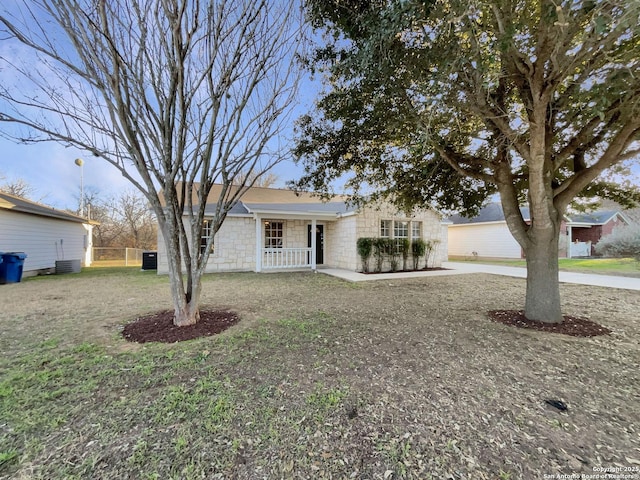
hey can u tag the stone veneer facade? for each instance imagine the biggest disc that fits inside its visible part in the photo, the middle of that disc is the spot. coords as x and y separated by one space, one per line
235 248
368 225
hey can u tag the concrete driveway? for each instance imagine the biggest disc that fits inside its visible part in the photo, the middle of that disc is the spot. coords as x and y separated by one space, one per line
458 268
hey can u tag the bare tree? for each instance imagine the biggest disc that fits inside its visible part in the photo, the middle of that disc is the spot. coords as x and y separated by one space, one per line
267 180
18 187
132 211
124 220
176 94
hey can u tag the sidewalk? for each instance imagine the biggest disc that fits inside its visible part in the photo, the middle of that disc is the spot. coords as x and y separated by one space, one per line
458 268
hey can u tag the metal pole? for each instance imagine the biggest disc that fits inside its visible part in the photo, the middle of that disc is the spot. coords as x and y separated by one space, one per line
80 163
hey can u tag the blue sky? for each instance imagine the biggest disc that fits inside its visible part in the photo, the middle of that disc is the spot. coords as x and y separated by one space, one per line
49 167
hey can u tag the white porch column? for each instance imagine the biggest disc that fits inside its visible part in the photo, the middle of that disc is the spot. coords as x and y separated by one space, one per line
313 244
258 243
569 242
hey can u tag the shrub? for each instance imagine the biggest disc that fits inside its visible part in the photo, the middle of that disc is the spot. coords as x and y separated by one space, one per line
394 254
622 242
430 249
418 249
405 248
379 252
365 249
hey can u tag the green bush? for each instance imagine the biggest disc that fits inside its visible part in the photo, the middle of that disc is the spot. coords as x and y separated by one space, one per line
365 249
622 242
418 249
405 248
379 251
394 254
430 249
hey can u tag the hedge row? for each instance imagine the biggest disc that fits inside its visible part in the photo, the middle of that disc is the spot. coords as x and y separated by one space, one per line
394 250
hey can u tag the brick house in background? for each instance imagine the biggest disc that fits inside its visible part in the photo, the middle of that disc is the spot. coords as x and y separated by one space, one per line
589 228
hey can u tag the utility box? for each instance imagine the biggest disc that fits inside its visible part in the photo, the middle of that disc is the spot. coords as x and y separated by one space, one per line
68 266
149 260
11 267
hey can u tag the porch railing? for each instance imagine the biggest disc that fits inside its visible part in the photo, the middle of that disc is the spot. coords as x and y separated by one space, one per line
273 258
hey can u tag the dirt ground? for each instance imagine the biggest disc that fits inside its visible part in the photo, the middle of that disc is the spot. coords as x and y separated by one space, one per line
429 386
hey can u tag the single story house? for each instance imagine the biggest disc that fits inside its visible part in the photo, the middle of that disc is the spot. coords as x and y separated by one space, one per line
275 229
488 236
43 233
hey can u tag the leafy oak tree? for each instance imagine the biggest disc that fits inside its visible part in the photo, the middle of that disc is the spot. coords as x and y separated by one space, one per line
445 103
176 94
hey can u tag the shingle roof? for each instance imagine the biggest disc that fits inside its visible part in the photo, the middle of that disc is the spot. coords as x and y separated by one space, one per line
237 209
22 205
265 195
493 213
261 199
597 218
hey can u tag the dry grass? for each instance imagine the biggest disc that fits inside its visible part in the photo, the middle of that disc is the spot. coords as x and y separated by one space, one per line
321 379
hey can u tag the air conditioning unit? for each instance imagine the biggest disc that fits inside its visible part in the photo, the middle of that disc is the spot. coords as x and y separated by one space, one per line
67 266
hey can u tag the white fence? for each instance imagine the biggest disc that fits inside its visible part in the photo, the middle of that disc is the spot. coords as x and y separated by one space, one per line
116 257
286 258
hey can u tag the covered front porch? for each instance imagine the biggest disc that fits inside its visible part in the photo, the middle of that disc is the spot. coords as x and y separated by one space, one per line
286 241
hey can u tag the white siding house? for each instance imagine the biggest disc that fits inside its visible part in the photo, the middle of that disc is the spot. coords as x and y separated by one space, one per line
492 239
271 229
43 233
487 234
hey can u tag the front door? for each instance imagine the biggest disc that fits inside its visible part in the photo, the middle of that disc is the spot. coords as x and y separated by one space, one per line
319 242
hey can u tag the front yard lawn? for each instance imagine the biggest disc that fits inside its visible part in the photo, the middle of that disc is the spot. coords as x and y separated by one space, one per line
627 267
319 379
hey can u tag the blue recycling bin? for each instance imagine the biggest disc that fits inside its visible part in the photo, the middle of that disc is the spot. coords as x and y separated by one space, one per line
11 267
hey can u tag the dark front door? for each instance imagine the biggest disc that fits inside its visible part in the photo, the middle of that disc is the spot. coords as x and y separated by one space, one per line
319 243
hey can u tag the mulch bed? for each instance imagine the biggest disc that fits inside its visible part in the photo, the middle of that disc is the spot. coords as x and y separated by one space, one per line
574 326
159 327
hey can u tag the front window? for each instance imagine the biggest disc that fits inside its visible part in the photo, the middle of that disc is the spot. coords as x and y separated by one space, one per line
400 232
205 235
385 228
273 234
416 230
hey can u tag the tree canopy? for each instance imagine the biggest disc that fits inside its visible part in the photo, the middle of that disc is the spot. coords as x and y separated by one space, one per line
445 103
433 103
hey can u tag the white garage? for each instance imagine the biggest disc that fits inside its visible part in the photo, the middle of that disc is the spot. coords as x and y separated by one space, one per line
486 235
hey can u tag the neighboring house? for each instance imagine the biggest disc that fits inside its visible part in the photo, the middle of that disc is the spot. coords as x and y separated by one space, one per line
632 214
588 229
43 233
274 229
488 236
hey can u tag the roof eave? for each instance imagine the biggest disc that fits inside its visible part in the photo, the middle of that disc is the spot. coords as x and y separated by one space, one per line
287 214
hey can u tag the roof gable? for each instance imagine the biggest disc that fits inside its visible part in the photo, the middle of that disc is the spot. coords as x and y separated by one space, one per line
595 218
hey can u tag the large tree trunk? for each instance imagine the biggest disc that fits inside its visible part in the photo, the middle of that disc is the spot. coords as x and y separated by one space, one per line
185 301
543 286
185 297
186 309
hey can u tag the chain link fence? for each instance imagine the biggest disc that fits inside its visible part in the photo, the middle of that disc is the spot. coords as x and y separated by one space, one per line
116 257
